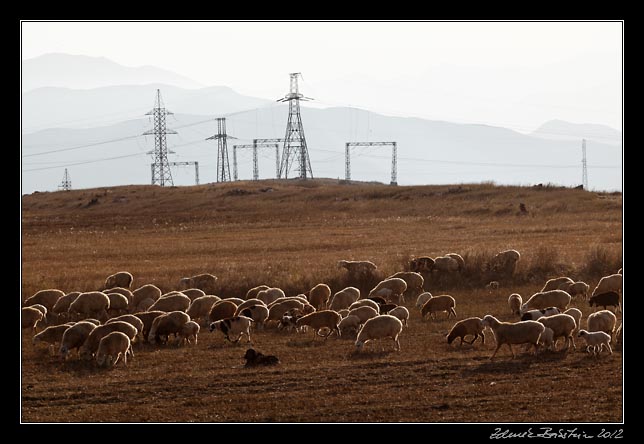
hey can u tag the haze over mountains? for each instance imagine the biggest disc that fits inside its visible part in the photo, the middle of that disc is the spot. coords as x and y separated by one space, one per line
62 109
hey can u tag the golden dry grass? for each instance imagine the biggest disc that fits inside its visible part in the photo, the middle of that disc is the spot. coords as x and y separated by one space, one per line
291 234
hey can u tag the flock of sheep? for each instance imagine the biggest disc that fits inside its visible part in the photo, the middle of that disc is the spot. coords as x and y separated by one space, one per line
103 325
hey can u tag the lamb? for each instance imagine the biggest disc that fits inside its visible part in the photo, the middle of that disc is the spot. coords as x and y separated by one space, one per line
88 349
445 264
270 294
505 262
437 304
200 307
422 298
222 310
562 325
391 289
380 327
235 326
52 335
349 326
147 291
344 298
470 326
612 282
358 269
364 313
62 305
421 264
596 341
188 330
319 295
247 304
552 298
90 304
608 299
252 293
254 358
575 313
514 302
458 258
547 339
318 320
130 319
47 298
193 293
121 279
30 316
556 283
413 280
576 288
401 313
74 337
172 302
258 313
165 325
118 303
522 332
205 281
276 311
112 347
533 315
148 317
603 320
364 303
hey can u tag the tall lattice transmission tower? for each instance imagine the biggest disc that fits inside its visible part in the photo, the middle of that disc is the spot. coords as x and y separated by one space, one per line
161 174
584 167
295 150
66 184
223 165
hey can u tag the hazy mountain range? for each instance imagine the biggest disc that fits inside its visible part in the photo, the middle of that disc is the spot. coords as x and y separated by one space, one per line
59 116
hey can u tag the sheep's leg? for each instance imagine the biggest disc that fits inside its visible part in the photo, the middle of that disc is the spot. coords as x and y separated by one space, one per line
497 349
118 356
483 336
396 343
610 350
512 350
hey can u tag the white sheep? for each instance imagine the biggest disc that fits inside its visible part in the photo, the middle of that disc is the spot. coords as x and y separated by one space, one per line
30 316
235 326
612 282
112 348
121 279
148 317
359 269
414 281
349 326
471 326
602 320
205 281
276 311
575 313
563 326
147 291
344 298
89 347
74 337
270 294
422 298
401 313
391 289
131 319
172 302
193 293
52 335
547 339
90 304
522 332
188 330
364 303
364 313
118 303
556 283
551 298
576 288
445 264
252 293
596 341
380 327
319 296
222 310
122 291
324 319
145 305
504 262
61 306
514 302
200 307
248 303
47 298
167 324
437 304
458 258
258 313
533 315
421 264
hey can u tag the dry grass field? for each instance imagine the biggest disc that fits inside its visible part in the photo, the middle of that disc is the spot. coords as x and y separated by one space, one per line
290 234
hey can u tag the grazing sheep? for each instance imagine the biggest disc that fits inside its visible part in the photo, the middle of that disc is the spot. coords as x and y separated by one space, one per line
344 312
247 304
252 293
130 319
112 347
42 309
148 317
421 264
563 326
364 303
514 302
458 258
302 298
222 310
270 294
120 290
492 285
556 283
505 262
205 281
172 302
533 315
254 358
401 313
522 332
118 304
289 320
391 289
422 298
576 288
90 304
596 341
603 320
386 308
618 334
145 305
89 347
608 299
547 339
575 313
167 324
349 326
358 269
612 282
193 293
413 280
319 295
445 264
378 300
52 335
74 337
470 326
318 320
121 279
380 327
437 304
30 316
47 298
236 301
62 305
276 311
147 291
364 313
200 308
189 330
235 326
258 313
344 298
551 298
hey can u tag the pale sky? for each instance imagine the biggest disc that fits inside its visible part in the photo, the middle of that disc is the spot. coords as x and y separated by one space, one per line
512 74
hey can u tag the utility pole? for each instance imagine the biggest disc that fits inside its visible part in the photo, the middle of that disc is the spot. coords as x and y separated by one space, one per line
223 165
195 163
258 143
394 158
161 174
66 184
584 168
295 150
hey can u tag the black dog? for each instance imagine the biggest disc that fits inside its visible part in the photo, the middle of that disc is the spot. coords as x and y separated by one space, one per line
256 358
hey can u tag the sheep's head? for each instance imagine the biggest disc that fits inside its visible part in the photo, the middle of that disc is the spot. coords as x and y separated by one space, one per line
214 326
85 354
450 337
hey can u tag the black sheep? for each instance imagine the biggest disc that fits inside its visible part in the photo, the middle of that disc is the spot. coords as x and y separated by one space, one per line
608 299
